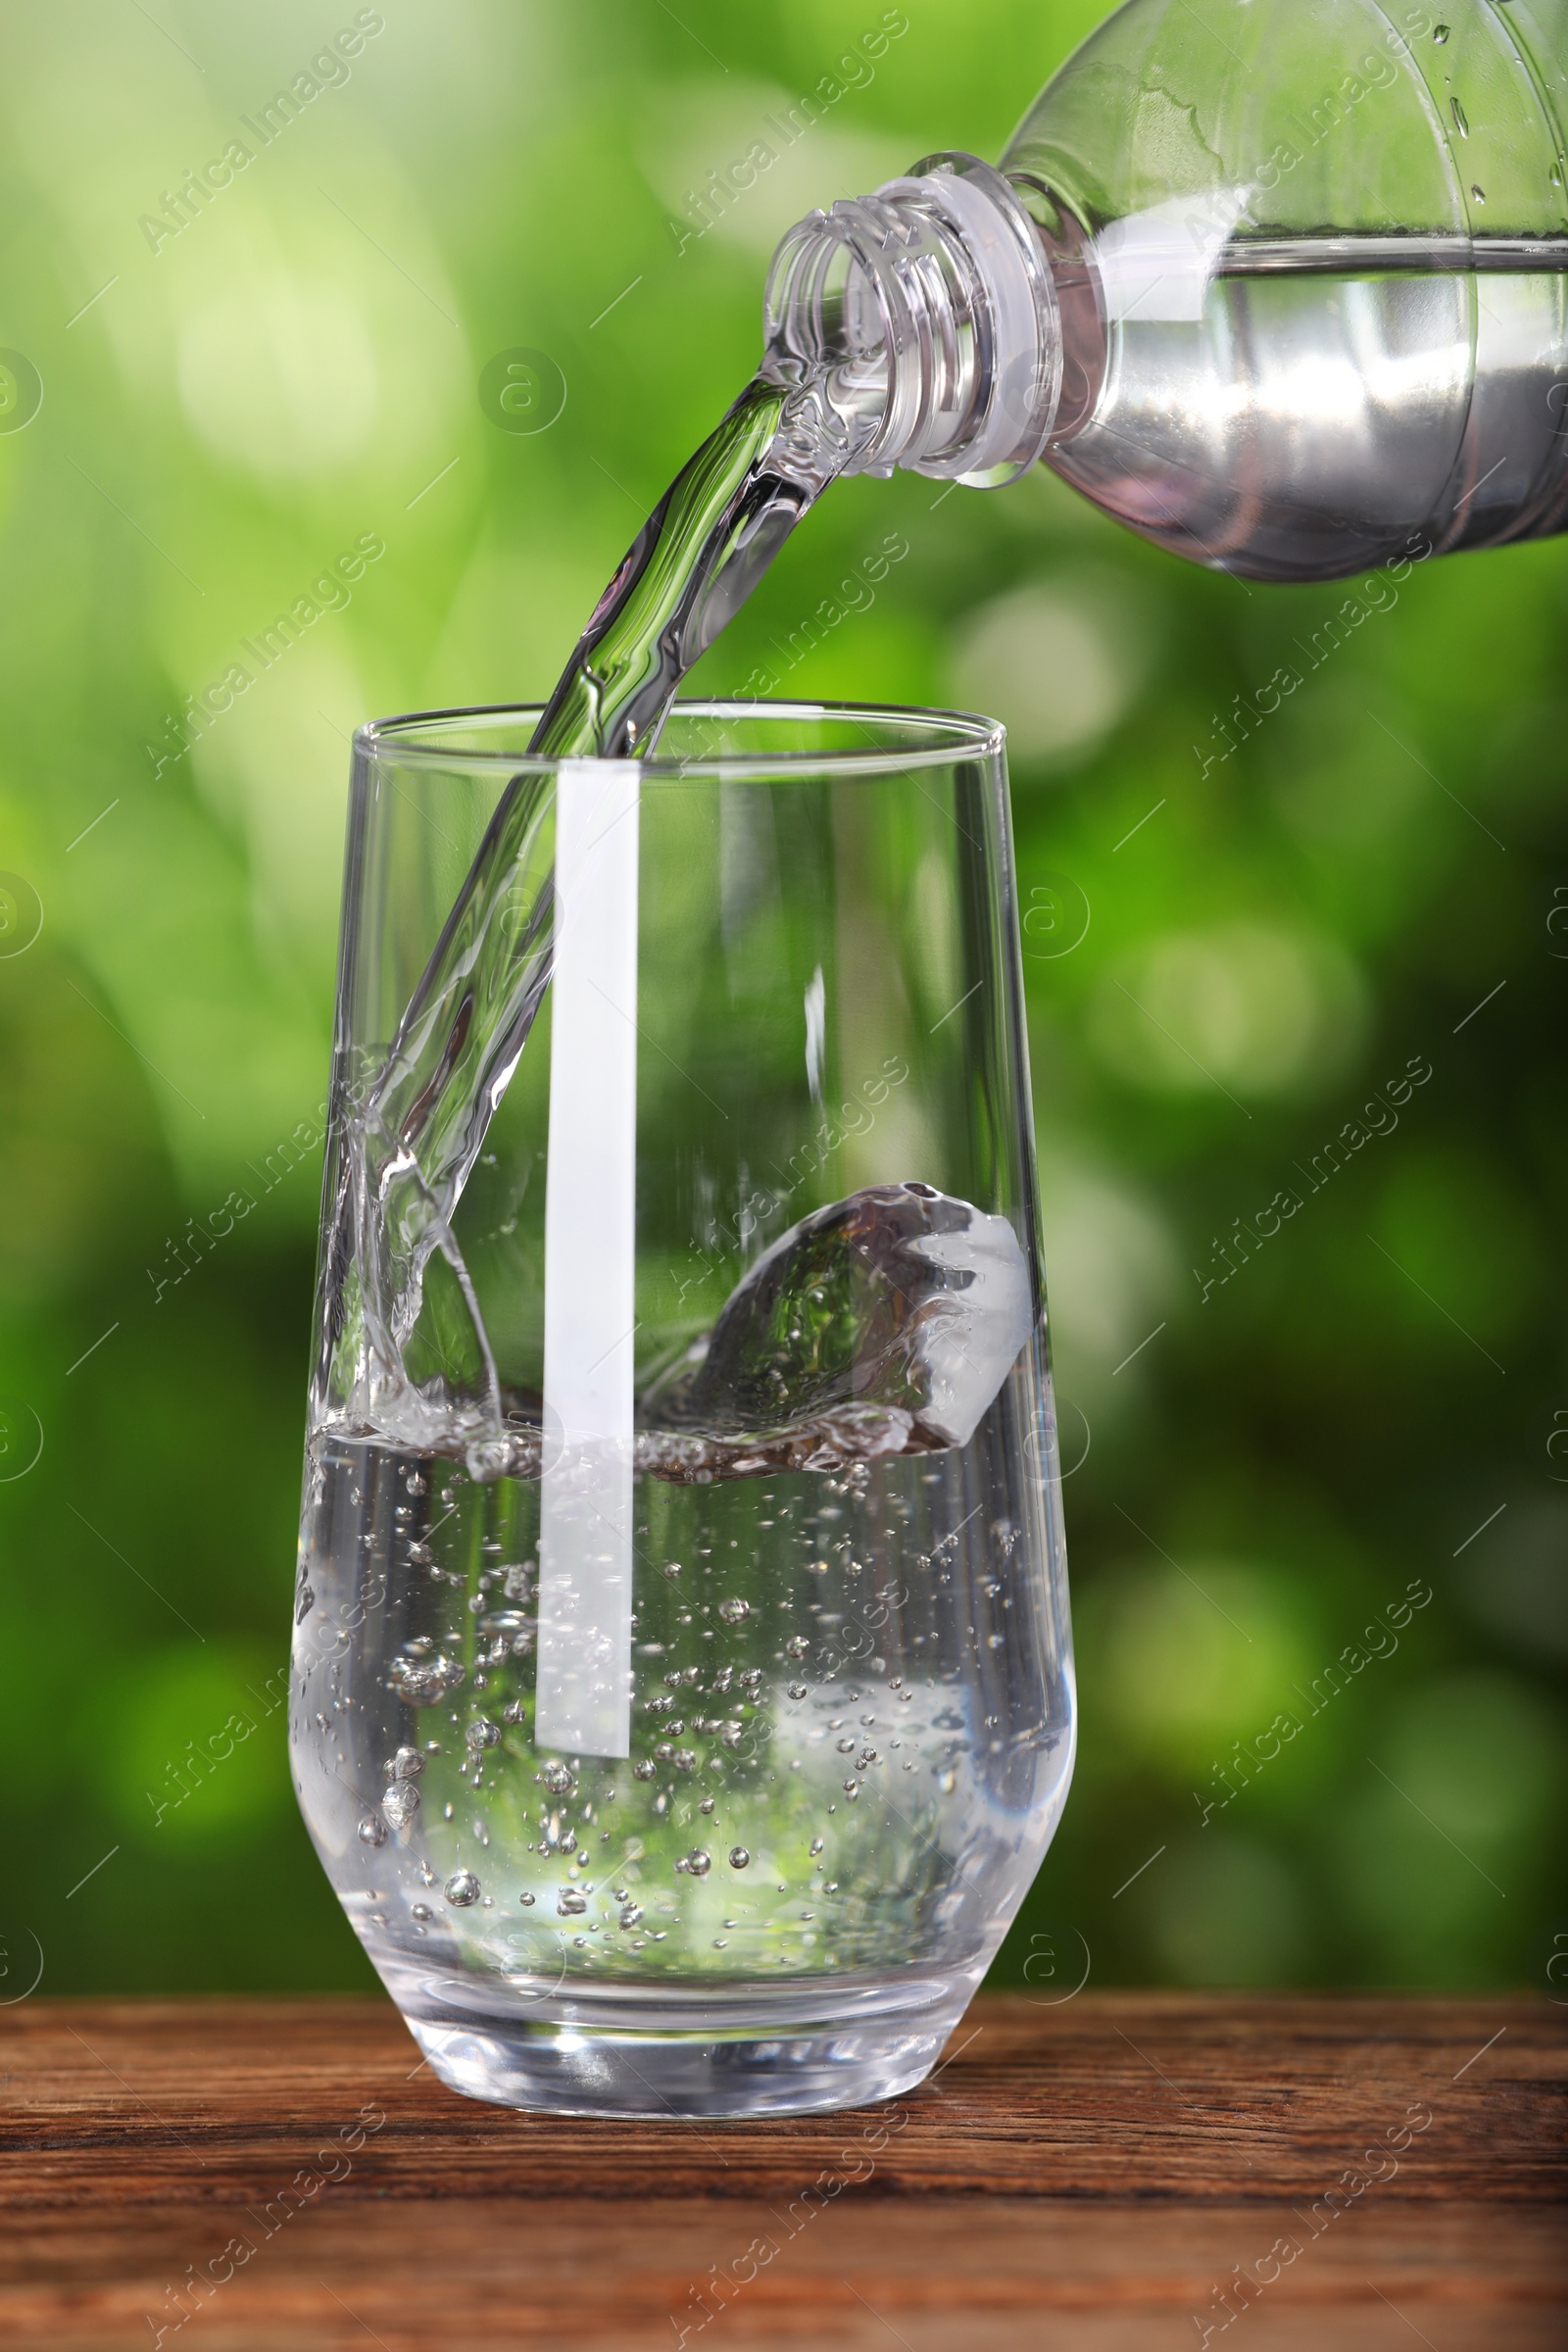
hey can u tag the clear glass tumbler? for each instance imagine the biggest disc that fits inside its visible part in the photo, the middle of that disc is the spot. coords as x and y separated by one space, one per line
682 1698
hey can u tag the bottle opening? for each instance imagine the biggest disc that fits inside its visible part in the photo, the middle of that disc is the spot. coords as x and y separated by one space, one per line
933 307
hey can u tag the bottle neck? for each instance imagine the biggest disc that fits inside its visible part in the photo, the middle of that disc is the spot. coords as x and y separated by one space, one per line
931 308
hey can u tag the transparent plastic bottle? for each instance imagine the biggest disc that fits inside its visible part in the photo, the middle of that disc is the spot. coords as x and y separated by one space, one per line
1283 287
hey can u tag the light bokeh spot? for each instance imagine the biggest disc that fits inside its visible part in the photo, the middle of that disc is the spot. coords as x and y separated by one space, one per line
1255 1007
279 376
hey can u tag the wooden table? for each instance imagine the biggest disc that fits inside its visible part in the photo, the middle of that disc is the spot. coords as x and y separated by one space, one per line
1112 2174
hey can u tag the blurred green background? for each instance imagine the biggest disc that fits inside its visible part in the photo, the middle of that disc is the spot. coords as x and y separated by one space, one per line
230 406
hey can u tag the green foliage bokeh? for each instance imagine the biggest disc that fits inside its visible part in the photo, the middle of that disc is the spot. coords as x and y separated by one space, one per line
297 370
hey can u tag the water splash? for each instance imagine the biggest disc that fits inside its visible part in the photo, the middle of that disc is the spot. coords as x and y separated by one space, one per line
412 1140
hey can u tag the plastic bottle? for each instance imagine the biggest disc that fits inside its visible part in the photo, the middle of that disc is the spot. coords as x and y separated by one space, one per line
1283 284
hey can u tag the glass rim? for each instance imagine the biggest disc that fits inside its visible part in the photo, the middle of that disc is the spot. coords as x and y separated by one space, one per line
968 734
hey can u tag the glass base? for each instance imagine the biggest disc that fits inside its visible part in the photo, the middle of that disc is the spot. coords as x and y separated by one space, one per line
577 2069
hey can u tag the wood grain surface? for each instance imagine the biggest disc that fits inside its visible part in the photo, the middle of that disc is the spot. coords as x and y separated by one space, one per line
1117 2173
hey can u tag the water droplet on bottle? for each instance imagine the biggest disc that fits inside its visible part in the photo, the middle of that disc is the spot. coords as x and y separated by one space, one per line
406 1765
697 1863
558 1779
461 1889
738 1857
401 1804
734 1612
372 1829
1480 195
304 1605
1460 121
1441 34
644 1769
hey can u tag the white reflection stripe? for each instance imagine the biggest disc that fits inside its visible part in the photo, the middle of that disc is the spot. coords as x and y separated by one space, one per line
585 1548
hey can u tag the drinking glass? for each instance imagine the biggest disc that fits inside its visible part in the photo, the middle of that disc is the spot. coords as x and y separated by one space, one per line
683 1691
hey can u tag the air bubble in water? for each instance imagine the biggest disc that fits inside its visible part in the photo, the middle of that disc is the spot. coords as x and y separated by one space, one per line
697 1863
406 1765
734 1612
631 1915
372 1829
738 1857
797 1646
422 1911
482 1733
421 1680
461 1889
526 1900
571 1903
1460 121
401 1805
817 1845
